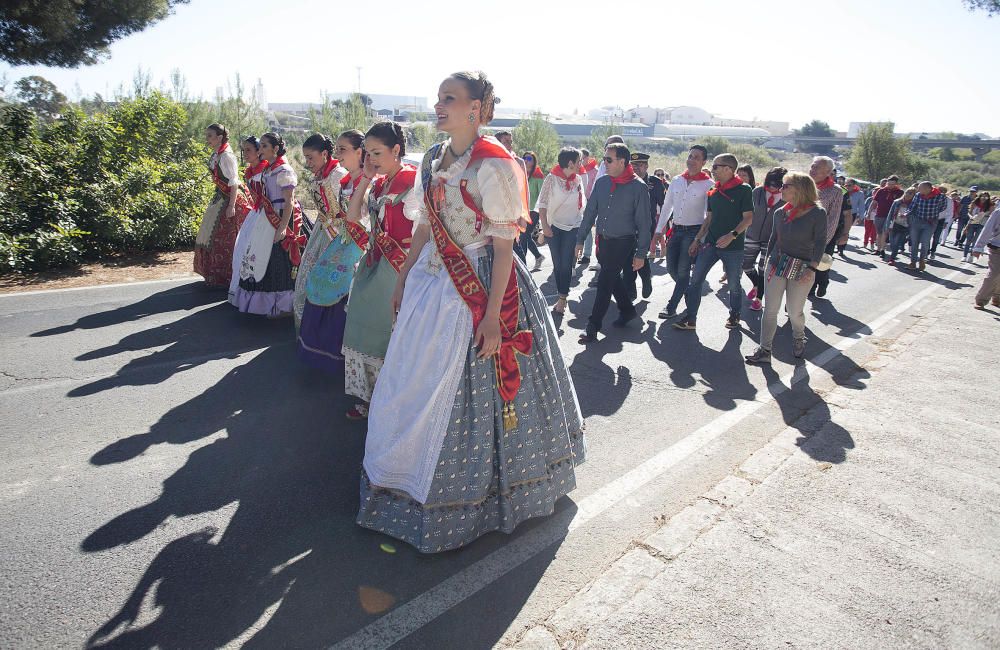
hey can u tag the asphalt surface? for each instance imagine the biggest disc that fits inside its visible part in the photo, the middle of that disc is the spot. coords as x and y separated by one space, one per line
171 475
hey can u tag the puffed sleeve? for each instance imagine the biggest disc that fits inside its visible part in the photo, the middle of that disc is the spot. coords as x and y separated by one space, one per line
227 165
413 205
287 178
503 197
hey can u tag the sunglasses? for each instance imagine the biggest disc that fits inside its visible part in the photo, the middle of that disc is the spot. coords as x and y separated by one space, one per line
609 159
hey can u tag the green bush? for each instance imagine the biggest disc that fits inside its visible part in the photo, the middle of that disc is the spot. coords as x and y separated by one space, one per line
127 180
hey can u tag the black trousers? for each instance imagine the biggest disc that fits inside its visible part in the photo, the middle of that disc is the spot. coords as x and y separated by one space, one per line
615 256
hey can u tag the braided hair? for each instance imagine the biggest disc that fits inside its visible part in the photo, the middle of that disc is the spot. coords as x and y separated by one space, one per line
276 141
218 129
319 142
390 134
481 88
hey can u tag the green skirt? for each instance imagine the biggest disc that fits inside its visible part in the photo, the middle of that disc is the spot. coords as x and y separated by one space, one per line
369 325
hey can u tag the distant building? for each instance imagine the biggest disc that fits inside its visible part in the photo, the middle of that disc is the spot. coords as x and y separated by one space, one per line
694 116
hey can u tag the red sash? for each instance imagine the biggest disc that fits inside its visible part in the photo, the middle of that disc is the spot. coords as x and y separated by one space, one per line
216 178
476 297
385 245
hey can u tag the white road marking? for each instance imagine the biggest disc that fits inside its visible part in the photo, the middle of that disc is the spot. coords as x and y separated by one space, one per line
422 609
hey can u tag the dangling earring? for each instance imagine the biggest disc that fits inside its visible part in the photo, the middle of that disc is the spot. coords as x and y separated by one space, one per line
472 118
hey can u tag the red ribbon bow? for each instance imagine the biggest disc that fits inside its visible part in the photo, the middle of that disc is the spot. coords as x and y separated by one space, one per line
293 243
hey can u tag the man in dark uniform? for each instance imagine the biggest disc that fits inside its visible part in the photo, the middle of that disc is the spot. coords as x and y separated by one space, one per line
657 194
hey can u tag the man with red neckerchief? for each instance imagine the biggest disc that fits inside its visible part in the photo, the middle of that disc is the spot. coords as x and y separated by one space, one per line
686 198
838 213
619 205
720 238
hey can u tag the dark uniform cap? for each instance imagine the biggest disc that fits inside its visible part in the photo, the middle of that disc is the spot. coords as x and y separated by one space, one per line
640 157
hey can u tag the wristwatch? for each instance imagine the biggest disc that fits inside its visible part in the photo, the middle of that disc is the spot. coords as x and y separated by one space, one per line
735 234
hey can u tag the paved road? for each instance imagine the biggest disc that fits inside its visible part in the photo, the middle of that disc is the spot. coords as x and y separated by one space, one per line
172 476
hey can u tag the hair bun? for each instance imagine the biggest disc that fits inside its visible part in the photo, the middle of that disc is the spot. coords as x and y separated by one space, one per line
496 100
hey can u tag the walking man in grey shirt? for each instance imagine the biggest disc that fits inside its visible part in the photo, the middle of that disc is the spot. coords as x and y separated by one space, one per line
620 206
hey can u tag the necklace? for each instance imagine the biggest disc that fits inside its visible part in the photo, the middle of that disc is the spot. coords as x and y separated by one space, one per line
459 155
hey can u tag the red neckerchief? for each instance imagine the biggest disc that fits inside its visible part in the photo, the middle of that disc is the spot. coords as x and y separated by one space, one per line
537 173
279 161
327 168
934 192
854 188
700 176
791 214
735 181
250 172
772 196
627 176
223 148
589 165
825 183
558 172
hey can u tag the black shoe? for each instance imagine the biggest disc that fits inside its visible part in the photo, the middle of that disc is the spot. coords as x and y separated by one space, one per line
668 312
647 288
761 356
733 322
584 261
684 324
820 291
625 319
588 337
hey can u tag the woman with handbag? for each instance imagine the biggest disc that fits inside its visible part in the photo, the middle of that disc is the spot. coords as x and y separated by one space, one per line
798 241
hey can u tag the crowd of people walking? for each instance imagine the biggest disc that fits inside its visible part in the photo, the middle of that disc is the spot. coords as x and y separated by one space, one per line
412 284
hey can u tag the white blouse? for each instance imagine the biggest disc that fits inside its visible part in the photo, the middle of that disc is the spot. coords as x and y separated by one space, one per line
227 166
492 183
564 208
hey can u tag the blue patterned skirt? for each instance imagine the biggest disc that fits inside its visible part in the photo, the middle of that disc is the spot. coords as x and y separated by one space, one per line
440 469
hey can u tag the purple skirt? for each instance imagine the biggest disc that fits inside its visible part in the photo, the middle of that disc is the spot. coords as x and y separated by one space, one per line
321 336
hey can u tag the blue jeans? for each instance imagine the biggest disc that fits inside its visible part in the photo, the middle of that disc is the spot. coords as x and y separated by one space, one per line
897 241
920 238
732 262
562 245
971 236
679 262
588 245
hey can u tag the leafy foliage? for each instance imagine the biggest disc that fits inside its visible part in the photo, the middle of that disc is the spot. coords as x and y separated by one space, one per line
125 180
991 7
69 33
817 129
40 95
878 153
536 134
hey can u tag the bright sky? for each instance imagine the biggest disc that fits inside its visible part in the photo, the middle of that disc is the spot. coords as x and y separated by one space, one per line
924 64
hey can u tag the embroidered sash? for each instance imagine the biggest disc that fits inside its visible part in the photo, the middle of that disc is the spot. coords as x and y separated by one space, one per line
476 297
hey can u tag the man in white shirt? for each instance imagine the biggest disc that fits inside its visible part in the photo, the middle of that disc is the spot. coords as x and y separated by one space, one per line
687 199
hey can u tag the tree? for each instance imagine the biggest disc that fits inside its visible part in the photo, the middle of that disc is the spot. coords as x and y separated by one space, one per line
40 95
239 113
536 134
716 145
817 129
877 153
70 33
600 135
991 7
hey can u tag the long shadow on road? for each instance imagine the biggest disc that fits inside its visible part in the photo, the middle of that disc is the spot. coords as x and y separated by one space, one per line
291 568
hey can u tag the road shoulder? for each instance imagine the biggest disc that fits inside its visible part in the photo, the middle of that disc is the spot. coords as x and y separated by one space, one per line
894 546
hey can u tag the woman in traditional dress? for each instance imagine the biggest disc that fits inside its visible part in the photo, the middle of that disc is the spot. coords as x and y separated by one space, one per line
213 250
272 247
474 424
369 312
253 177
334 248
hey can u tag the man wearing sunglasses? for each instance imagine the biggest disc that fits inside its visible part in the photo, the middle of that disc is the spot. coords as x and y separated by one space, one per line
619 205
